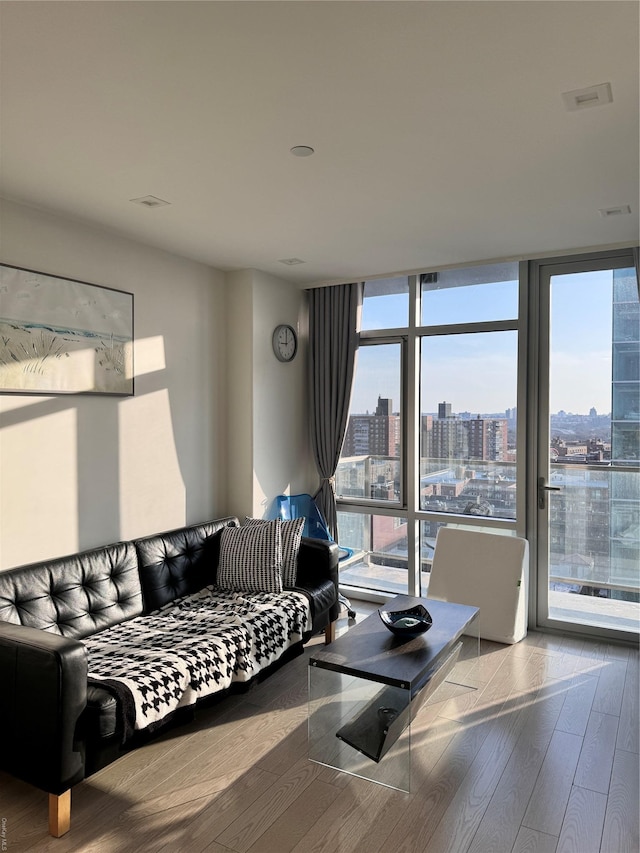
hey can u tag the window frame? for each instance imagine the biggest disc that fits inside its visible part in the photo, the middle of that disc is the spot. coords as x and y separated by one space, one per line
408 508
378 338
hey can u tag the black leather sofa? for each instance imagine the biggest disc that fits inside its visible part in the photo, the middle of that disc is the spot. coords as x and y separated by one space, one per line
56 727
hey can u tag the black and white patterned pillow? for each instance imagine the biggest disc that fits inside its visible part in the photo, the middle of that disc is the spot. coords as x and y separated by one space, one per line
251 558
291 538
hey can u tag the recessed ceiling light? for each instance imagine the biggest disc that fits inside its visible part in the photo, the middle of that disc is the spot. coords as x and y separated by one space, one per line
150 201
614 211
302 151
291 261
593 96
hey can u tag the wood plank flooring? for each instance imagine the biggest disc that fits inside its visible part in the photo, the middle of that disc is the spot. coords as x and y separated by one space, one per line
542 757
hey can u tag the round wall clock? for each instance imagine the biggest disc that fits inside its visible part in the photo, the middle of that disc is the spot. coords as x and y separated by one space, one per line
285 342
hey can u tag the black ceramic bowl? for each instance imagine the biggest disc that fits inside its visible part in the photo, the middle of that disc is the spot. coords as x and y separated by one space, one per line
407 623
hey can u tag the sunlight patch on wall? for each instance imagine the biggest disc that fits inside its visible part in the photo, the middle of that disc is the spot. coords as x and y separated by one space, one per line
148 355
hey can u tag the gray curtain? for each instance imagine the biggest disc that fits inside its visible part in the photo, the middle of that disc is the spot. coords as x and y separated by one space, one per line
334 318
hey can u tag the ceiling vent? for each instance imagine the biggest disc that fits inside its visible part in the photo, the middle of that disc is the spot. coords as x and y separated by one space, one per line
593 96
614 211
291 261
150 201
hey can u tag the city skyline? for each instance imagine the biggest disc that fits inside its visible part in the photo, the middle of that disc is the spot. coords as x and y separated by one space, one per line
488 414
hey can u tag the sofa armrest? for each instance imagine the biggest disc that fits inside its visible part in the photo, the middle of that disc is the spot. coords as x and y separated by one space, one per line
318 577
43 678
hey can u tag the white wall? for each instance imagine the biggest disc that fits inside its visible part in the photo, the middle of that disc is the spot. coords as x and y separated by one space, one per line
240 393
268 424
83 471
281 434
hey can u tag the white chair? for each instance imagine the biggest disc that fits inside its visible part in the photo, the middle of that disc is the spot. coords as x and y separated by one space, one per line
485 570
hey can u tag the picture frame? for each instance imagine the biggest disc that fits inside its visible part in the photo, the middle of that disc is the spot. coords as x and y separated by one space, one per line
63 336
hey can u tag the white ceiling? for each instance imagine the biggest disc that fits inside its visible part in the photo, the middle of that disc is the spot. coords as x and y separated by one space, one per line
440 132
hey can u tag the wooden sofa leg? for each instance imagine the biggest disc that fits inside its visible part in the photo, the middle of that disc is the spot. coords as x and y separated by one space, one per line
329 633
59 813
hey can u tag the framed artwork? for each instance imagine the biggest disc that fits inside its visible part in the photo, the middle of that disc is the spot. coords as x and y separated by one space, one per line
61 336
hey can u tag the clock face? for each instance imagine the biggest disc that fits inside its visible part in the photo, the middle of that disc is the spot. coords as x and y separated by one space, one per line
285 343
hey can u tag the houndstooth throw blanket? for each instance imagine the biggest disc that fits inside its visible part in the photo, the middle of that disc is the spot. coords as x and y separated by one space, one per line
193 647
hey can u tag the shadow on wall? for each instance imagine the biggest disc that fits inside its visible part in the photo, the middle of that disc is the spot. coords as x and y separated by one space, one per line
59 476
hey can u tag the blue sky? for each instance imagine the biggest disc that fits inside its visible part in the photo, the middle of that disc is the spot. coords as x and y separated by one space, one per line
477 373
581 318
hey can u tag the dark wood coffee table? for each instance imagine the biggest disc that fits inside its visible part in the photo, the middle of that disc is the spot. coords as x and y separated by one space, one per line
365 688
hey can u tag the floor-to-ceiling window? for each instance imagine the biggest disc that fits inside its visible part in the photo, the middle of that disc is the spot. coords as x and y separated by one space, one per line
433 431
586 406
461 401
371 476
468 403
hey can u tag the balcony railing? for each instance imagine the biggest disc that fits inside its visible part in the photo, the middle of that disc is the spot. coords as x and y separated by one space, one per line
594 529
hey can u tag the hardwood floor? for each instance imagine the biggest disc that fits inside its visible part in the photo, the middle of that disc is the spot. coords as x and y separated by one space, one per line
542 757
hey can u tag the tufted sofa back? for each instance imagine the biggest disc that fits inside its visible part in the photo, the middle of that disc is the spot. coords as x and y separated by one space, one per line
179 562
77 596
74 596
